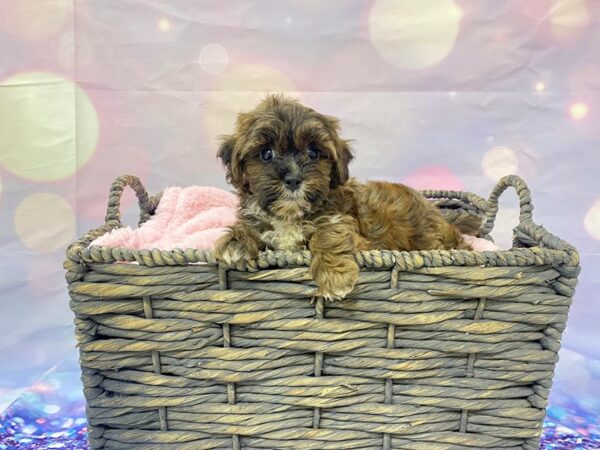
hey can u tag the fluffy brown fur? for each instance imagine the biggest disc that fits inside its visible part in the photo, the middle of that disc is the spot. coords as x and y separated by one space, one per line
289 166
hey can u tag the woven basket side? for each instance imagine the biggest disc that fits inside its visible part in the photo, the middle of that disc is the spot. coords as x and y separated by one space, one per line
462 357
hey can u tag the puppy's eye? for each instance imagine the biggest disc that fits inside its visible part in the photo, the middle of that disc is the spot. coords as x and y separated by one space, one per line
266 154
313 153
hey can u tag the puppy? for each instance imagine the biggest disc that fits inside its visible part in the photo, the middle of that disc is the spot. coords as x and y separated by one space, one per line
289 166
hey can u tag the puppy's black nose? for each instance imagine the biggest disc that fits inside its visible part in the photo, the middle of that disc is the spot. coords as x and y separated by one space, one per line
291 181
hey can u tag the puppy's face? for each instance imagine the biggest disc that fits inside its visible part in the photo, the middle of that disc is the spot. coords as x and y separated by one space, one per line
286 157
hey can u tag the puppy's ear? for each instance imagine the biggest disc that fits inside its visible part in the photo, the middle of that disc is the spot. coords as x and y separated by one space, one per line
230 160
339 169
342 157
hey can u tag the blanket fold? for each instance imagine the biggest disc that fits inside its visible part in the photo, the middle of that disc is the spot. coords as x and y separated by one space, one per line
190 217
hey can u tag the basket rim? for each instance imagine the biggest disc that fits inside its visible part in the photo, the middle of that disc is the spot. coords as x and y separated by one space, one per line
550 250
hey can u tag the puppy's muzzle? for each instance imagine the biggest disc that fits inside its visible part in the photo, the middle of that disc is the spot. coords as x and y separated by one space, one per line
292 181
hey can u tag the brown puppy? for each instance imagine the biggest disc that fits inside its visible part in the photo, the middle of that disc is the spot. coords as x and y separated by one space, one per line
290 168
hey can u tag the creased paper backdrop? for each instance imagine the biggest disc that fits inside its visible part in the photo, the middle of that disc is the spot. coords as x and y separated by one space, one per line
435 93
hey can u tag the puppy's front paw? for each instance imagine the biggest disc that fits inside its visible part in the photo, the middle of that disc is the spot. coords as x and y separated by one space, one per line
232 249
335 282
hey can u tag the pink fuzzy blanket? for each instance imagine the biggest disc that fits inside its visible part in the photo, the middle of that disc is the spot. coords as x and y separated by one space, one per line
195 217
191 217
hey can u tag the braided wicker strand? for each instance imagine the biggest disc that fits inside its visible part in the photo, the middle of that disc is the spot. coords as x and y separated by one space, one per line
432 349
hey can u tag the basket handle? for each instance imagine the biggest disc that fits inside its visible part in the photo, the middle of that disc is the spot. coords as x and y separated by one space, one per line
526 207
113 211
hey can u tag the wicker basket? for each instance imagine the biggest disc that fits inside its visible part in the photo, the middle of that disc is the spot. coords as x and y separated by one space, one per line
432 350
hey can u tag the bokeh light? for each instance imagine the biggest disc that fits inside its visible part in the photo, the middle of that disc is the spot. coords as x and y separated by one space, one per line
239 89
578 110
499 161
40 136
51 409
568 17
34 20
214 59
583 112
164 24
414 34
434 177
592 220
45 222
540 86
